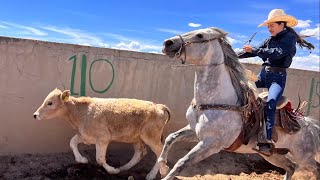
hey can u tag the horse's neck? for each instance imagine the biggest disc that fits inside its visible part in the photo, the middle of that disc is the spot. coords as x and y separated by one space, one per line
213 86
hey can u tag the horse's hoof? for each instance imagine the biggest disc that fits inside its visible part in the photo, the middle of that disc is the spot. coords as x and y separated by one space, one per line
160 159
164 169
130 178
151 176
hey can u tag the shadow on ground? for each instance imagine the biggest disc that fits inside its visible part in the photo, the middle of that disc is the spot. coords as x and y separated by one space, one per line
63 165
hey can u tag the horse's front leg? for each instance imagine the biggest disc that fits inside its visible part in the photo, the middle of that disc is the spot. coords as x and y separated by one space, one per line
184 134
201 151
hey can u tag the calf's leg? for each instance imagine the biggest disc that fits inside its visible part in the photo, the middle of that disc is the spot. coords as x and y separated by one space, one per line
101 149
139 152
153 140
74 146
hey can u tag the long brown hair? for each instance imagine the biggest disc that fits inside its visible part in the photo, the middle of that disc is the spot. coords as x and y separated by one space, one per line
302 43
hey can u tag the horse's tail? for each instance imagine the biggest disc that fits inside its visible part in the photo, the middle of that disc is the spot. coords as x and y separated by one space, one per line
314 127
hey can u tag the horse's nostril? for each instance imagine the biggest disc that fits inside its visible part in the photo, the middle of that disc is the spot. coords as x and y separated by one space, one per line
35 116
168 43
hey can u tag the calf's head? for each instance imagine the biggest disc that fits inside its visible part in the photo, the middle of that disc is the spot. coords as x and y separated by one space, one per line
53 105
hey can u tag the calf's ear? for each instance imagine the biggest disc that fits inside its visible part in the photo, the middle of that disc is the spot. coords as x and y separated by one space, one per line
65 95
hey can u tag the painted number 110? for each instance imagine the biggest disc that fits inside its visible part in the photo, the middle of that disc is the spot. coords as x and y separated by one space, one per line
83 75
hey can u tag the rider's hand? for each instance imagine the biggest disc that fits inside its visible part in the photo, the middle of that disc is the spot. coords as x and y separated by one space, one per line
247 48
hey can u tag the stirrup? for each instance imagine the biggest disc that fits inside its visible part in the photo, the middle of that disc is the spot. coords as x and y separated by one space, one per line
267 152
272 150
263 152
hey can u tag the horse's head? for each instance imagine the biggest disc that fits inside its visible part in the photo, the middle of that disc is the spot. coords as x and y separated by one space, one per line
195 47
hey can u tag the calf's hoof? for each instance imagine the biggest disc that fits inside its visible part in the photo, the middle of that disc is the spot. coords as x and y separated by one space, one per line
113 171
82 160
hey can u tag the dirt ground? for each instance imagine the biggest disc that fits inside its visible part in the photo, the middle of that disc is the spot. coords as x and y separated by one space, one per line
222 166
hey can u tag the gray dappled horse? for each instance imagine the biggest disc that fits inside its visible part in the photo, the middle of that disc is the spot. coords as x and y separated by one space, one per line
218 79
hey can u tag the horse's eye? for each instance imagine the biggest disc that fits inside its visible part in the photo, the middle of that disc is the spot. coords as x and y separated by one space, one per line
200 36
49 103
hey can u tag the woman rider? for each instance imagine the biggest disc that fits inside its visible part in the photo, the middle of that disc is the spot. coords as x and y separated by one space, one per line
277 52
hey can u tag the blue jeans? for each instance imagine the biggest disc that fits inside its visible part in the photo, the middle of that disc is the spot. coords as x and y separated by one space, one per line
275 82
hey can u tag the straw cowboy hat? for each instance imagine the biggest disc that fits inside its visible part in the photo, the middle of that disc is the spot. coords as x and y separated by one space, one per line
279 15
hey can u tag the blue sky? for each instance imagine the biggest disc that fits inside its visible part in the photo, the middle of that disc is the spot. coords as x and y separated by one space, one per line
143 25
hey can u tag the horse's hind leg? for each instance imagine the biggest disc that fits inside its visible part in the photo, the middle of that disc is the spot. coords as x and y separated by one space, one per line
201 151
184 134
317 170
311 165
283 162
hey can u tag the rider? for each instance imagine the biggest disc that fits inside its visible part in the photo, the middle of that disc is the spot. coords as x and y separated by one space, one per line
277 52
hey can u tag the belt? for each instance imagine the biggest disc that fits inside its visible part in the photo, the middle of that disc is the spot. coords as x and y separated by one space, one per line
275 69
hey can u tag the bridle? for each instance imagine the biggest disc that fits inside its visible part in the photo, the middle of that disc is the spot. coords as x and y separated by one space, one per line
184 44
202 107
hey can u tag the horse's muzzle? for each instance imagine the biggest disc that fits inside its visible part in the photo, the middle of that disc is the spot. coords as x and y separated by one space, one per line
169 48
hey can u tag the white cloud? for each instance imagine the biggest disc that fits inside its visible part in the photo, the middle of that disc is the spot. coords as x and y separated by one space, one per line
311 32
194 25
117 37
242 36
26 29
252 60
310 62
303 24
232 41
77 36
151 47
136 46
237 50
4 27
172 31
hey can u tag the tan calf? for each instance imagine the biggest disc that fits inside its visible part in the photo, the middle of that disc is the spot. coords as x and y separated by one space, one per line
102 120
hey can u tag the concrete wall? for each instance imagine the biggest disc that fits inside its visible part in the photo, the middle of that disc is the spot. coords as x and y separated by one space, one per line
30 69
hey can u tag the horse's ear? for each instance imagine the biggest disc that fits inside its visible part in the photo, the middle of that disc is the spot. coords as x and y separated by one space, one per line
220 31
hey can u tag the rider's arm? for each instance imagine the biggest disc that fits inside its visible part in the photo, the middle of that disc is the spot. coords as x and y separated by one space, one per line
243 54
283 48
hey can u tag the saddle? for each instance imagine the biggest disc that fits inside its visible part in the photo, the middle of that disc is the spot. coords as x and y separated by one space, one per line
254 120
281 103
286 118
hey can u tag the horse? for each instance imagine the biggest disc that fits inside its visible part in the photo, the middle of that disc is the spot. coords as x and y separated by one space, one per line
220 83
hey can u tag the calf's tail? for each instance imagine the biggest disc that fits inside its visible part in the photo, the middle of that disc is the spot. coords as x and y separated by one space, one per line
165 109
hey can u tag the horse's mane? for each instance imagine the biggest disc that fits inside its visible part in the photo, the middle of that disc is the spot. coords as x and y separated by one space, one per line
236 70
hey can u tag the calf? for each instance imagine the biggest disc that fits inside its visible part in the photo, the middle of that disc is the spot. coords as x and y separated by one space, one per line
102 120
